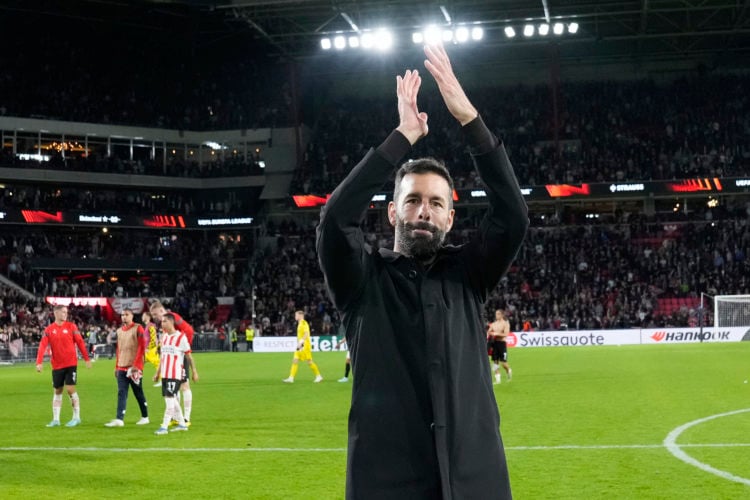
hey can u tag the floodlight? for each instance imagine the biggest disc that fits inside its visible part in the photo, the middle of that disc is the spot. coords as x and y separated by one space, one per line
383 40
528 30
354 42
368 40
510 32
462 34
417 37
447 35
339 42
325 43
477 33
543 29
558 28
432 35
573 28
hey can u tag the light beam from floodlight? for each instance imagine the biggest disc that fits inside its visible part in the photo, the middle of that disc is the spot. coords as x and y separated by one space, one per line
447 35
543 29
431 35
573 28
462 34
339 42
354 42
417 37
383 40
528 30
477 33
325 43
558 28
368 40
510 32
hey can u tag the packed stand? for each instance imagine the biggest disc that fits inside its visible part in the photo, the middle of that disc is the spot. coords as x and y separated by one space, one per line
112 75
209 265
608 131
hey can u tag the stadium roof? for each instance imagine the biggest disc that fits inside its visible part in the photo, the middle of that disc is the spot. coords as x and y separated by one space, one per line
609 30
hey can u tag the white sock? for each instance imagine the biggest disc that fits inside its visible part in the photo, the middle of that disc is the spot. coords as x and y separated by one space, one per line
187 402
56 405
76 403
171 403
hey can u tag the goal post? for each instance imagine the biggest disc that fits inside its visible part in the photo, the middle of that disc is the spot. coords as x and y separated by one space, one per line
731 310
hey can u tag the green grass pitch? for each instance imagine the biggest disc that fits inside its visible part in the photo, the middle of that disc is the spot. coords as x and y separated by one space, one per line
577 423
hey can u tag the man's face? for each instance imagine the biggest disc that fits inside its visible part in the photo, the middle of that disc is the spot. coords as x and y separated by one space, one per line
422 215
167 325
61 314
127 317
145 317
299 317
157 314
499 315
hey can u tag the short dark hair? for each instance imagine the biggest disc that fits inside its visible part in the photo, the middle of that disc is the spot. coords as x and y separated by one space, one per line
426 165
170 317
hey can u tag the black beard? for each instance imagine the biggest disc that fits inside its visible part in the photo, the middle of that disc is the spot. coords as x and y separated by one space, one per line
420 247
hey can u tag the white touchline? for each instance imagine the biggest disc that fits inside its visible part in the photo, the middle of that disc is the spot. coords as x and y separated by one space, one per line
675 449
341 450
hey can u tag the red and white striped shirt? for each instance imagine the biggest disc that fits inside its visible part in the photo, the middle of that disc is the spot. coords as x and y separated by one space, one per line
174 346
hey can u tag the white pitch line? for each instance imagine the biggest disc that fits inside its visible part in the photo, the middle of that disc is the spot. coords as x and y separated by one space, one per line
675 449
341 450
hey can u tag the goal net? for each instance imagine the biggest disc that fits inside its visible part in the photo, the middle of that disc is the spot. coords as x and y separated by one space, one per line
731 310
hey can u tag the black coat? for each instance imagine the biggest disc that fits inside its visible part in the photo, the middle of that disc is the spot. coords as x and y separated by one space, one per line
424 422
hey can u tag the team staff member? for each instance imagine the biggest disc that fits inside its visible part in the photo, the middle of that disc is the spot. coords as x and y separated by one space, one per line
62 337
175 353
498 333
131 347
304 349
424 422
158 311
151 333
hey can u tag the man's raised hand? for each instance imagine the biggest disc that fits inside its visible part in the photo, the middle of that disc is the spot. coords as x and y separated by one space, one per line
412 123
439 65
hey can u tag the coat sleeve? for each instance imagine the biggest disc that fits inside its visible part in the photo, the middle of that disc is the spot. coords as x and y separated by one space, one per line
503 227
342 251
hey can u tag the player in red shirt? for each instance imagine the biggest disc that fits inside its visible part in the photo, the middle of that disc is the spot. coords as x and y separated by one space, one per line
62 337
175 354
158 311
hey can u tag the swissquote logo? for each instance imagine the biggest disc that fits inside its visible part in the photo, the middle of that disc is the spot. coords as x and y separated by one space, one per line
511 340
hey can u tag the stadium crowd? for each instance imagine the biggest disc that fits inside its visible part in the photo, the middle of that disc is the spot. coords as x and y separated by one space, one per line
565 277
608 131
84 82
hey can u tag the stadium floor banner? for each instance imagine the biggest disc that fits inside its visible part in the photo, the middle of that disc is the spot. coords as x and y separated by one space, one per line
574 338
626 337
562 338
685 335
289 344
